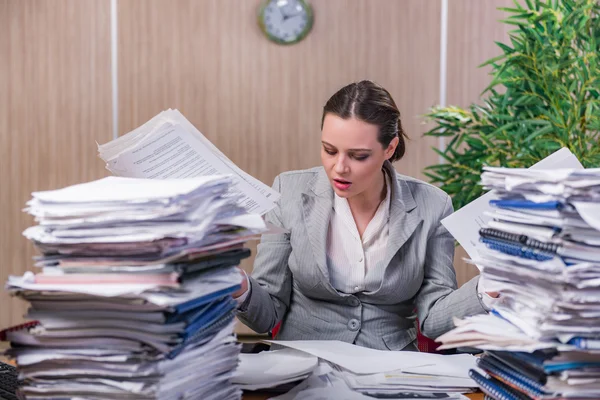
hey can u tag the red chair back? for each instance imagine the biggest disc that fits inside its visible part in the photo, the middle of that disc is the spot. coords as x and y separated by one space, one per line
425 344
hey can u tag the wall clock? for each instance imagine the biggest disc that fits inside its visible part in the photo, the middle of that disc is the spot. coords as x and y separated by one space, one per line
285 21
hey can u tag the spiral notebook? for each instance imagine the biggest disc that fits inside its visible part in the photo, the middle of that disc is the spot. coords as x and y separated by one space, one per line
496 389
524 246
522 240
510 377
530 370
517 250
489 359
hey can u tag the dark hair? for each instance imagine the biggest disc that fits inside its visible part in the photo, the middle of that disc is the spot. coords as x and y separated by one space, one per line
371 103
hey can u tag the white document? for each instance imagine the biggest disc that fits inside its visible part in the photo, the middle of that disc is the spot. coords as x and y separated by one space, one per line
323 384
362 360
391 381
272 368
168 146
123 190
489 332
326 384
465 223
590 212
211 282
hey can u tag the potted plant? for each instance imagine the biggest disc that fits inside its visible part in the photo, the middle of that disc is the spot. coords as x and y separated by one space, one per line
544 95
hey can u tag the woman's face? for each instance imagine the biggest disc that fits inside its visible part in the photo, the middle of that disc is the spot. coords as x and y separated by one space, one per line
352 155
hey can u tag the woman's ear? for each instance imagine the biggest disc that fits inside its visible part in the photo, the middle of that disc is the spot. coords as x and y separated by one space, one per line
389 152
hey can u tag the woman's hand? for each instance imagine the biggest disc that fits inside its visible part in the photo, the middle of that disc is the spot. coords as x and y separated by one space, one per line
244 287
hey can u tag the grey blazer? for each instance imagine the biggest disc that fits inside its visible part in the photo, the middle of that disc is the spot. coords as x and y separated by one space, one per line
290 281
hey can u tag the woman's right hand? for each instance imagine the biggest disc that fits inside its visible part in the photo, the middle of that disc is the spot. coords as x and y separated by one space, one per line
244 287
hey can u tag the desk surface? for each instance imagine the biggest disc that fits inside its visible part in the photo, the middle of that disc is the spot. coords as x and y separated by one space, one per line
260 396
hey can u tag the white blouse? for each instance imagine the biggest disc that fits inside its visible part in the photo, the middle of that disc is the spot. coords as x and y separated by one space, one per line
350 259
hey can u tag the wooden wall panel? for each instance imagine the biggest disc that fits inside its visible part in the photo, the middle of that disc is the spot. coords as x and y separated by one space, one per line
54 104
473 28
261 103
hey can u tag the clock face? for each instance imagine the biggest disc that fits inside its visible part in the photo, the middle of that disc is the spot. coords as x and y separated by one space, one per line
286 21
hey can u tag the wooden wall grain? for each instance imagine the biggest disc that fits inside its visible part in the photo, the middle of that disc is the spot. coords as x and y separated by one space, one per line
473 28
54 104
259 102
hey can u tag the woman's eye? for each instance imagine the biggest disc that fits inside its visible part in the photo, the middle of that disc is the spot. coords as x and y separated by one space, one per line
330 152
360 158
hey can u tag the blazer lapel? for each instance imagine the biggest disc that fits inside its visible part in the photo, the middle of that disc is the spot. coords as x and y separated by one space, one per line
317 208
404 219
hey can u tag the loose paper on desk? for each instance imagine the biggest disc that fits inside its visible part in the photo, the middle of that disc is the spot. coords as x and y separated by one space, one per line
169 146
362 360
465 223
273 368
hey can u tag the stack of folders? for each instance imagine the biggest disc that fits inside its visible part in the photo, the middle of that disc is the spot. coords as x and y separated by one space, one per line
133 297
541 252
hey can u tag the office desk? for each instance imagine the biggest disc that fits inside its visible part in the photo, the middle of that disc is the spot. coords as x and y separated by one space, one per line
259 396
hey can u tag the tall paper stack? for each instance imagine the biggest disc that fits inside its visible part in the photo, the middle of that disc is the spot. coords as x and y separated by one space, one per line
541 250
134 293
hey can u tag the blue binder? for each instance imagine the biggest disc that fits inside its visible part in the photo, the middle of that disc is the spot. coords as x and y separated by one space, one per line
509 360
190 305
510 377
494 388
527 204
585 343
516 249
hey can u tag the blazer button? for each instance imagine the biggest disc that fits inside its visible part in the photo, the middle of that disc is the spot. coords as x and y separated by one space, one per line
354 301
353 325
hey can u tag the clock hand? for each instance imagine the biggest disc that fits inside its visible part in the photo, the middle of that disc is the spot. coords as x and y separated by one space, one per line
285 15
281 13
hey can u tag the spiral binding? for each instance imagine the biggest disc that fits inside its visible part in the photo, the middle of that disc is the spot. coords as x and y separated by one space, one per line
491 387
517 250
511 378
520 239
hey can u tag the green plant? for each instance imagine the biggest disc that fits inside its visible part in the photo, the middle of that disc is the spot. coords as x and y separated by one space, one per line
544 95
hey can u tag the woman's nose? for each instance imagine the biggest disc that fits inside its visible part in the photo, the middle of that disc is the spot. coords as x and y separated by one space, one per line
340 165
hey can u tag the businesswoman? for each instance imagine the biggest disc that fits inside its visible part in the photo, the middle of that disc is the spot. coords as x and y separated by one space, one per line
365 248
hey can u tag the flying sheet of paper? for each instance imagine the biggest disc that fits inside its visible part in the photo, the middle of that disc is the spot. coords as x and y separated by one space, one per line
169 146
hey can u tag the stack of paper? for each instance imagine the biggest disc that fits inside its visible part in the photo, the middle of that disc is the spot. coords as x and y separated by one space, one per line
540 248
169 146
134 294
465 223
